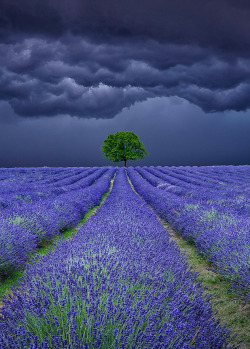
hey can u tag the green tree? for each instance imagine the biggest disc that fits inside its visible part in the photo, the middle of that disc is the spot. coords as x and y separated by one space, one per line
123 146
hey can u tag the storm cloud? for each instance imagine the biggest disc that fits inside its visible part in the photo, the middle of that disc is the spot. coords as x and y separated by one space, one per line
94 58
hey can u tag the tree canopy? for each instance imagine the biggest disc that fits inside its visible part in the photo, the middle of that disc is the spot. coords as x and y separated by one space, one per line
123 146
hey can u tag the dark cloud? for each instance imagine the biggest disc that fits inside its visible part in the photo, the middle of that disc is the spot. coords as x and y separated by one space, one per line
94 58
223 23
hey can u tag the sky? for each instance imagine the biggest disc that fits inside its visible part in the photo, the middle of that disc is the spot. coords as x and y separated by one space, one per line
177 73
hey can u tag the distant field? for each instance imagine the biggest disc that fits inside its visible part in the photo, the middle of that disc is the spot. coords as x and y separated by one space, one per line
119 282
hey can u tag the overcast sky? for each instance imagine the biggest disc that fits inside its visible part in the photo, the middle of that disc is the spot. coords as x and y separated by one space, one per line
177 73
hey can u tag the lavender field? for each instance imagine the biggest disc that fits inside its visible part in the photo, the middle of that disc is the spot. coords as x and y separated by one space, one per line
120 282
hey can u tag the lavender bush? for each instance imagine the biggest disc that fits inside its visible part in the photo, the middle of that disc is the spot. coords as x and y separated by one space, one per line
14 251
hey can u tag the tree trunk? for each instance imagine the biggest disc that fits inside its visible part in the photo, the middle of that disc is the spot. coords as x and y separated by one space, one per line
125 162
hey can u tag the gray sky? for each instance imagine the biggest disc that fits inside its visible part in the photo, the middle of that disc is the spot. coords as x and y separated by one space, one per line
174 132
176 73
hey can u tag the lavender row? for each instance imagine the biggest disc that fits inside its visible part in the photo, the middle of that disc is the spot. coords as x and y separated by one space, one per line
21 231
233 200
199 182
222 237
120 283
23 175
213 173
16 196
226 179
33 181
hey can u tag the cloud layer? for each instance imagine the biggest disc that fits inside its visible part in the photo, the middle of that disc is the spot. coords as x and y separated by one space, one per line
94 58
